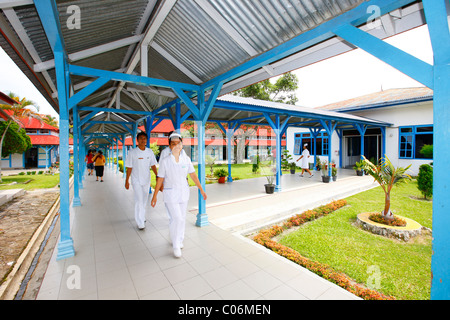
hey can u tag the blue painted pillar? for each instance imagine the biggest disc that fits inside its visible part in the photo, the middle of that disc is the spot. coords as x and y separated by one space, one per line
81 155
383 142
438 26
124 155
76 159
340 133
277 130
202 217
117 155
229 136
65 244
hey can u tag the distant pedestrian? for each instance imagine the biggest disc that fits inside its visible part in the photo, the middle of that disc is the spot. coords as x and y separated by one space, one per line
99 163
90 162
305 163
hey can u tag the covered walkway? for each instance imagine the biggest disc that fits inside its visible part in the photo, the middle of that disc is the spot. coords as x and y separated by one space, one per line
115 260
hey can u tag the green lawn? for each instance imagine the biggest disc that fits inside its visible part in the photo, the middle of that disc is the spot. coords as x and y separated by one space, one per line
38 181
404 268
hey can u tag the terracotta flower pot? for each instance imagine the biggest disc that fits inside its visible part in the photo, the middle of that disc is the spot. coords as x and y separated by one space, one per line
222 179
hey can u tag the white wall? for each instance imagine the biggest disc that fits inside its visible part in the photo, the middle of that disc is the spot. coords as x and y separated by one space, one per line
405 115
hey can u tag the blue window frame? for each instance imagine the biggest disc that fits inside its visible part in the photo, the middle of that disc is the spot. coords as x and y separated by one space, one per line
412 139
302 138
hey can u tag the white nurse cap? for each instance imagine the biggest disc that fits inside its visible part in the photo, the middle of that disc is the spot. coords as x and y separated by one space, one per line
175 135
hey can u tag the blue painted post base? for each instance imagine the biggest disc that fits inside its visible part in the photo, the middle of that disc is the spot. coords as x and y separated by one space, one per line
65 249
202 220
230 179
277 188
76 202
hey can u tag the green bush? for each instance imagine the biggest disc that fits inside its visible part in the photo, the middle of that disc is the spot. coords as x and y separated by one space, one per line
21 173
220 173
425 180
427 151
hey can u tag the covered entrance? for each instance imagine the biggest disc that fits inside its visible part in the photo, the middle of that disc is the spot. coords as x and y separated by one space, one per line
372 149
31 157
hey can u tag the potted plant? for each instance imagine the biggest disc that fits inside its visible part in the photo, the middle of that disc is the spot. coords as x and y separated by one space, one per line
359 166
221 174
387 176
334 173
318 163
325 176
292 167
270 176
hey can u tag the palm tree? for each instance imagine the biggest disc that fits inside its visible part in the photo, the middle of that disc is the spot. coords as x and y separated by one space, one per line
18 112
387 176
50 120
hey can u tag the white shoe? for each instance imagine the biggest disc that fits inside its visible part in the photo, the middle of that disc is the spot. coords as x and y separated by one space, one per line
177 252
311 176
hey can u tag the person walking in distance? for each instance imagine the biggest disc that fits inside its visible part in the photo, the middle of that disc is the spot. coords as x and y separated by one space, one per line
305 163
173 171
90 162
99 163
138 163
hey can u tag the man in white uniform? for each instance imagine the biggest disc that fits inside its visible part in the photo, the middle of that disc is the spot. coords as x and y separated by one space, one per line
173 170
138 164
305 162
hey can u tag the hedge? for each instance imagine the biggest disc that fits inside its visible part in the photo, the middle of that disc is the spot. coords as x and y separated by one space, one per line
264 238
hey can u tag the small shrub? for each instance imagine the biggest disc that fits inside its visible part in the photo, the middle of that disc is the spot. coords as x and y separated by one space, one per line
396 222
425 180
21 173
40 172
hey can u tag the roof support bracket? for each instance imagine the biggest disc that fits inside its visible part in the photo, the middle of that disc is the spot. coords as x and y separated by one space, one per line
402 61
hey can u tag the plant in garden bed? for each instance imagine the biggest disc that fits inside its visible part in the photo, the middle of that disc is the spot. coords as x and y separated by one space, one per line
396 222
387 176
264 237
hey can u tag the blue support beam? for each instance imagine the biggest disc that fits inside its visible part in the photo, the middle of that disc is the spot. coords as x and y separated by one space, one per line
86 91
438 26
324 31
65 245
329 127
402 61
76 202
48 14
277 128
139 80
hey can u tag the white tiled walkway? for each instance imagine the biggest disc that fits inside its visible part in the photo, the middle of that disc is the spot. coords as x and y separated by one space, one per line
115 260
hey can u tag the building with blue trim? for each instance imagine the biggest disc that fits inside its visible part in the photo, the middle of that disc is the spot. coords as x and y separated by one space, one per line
410 112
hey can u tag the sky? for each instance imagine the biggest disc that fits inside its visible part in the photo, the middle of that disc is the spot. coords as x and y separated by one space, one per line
346 76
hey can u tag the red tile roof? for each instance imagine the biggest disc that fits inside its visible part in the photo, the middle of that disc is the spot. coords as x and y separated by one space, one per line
32 123
43 139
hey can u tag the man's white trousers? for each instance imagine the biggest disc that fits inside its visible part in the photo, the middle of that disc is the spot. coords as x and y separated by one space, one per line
141 194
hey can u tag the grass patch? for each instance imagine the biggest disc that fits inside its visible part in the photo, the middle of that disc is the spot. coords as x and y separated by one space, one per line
37 182
403 268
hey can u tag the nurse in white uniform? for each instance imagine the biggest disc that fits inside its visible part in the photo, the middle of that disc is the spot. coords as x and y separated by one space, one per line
172 174
305 162
138 164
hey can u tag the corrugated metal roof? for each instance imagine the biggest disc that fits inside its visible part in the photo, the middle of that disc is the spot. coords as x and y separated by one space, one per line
196 41
382 98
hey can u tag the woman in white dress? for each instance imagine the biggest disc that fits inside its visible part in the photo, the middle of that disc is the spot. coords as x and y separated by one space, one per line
305 163
172 175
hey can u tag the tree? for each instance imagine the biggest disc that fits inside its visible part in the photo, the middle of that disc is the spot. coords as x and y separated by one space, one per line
19 112
16 139
425 180
387 176
48 119
283 90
